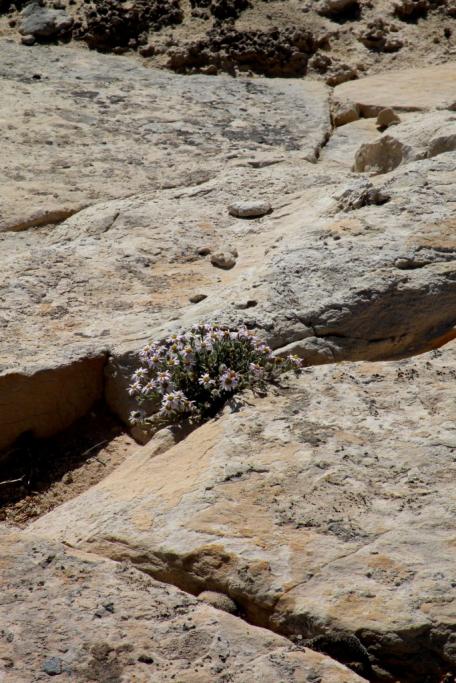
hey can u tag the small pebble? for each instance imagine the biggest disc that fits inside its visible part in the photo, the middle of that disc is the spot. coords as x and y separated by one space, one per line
28 39
53 666
250 209
203 251
223 259
196 298
145 659
386 118
250 303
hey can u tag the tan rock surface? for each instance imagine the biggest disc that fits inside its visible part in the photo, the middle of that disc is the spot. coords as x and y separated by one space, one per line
71 290
373 282
81 128
422 88
329 283
326 508
419 137
87 619
324 511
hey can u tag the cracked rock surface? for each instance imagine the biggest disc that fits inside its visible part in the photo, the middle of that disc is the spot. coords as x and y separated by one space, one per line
327 508
324 511
376 281
110 622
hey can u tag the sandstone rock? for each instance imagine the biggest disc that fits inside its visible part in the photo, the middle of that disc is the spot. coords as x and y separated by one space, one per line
42 22
325 509
361 193
419 137
336 8
28 39
411 10
68 615
81 104
344 112
196 298
386 118
340 73
408 90
223 259
377 36
328 288
381 156
63 283
47 400
346 140
250 209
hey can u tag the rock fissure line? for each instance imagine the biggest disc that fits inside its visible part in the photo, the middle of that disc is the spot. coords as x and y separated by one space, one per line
50 217
347 648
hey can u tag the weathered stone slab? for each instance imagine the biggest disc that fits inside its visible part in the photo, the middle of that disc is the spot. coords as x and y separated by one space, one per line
374 282
421 136
78 617
422 88
82 127
326 508
330 284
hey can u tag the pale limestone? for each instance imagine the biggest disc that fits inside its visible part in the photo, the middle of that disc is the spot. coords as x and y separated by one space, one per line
97 620
422 88
327 507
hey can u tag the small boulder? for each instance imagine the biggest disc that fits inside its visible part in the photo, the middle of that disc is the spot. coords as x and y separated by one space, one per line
340 73
386 118
335 8
359 193
343 112
196 298
250 209
41 22
223 259
28 39
52 666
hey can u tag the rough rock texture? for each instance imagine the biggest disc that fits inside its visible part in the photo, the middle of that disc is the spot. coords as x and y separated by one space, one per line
408 90
326 509
419 137
249 209
47 401
272 53
42 22
63 281
375 282
77 617
352 37
386 118
59 103
110 25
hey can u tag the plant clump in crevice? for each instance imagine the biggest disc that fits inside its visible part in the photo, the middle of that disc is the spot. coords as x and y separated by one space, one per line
191 376
274 53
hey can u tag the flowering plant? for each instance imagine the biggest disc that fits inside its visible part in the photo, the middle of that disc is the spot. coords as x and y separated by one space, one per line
191 375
